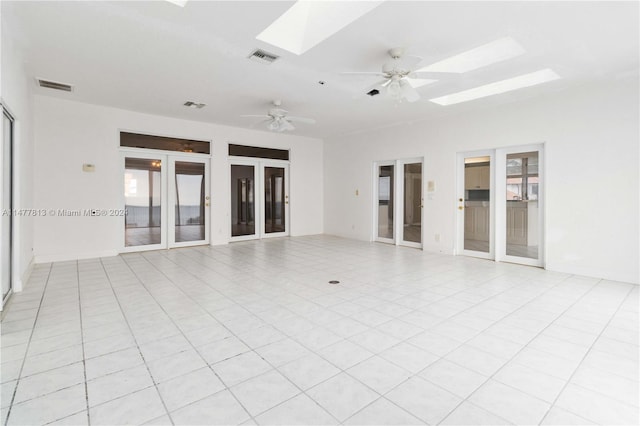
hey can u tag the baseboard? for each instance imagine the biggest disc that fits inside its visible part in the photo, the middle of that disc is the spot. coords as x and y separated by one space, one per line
26 274
46 258
593 273
436 248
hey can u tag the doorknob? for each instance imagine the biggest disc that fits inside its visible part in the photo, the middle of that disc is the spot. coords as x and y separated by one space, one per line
460 207
207 197
206 204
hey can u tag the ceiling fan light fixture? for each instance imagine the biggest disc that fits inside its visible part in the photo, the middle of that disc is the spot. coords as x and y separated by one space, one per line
274 125
394 89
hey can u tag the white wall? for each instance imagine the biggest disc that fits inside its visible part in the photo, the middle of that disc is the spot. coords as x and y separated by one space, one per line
16 95
591 149
68 134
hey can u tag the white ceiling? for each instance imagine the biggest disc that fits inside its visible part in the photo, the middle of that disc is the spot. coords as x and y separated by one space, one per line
154 56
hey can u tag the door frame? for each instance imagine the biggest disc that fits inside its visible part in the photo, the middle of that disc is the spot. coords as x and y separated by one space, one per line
259 166
14 219
243 161
171 214
376 201
501 200
167 198
398 202
460 202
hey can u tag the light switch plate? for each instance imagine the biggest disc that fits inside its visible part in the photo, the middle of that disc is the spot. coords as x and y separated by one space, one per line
89 168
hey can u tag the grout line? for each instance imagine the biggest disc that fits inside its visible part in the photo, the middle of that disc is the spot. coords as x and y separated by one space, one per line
490 377
137 345
141 283
84 358
232 333
24 358
584 357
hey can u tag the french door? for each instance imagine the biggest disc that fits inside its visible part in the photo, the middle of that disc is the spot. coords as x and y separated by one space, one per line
500 204
259 199
166 200
398 209
6 229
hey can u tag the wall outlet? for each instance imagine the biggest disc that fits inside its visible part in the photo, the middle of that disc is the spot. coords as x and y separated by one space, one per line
357 192
437 238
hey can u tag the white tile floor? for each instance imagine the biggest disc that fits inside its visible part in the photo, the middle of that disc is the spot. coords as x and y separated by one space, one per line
253 333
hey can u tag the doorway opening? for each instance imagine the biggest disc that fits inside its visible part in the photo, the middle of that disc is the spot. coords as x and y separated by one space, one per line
259 198
500 204
398 218
166 200
6 227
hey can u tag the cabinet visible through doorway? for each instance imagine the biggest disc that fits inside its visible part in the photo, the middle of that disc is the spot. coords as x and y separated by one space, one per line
477 177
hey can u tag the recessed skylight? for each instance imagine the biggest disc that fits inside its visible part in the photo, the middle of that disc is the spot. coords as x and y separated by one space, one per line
180 3
307 23
503 86
487 54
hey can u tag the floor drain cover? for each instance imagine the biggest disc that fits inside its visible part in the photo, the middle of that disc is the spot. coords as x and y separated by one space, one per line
334 282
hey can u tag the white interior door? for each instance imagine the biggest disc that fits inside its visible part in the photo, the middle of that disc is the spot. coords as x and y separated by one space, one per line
166 198
145 200
384 183
189 201
410 203
398 202
500 204
475 204
520 204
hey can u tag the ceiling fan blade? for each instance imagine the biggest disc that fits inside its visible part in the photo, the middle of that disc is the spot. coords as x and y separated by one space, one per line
419 82
408 92
432 75
411 62
293 118
286 125
254 116
258 123
368 74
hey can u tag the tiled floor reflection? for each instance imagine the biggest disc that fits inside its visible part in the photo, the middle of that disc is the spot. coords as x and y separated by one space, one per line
253 333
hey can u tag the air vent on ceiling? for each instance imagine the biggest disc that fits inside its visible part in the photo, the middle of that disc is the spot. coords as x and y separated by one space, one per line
54 85
260 55
197 105
373 92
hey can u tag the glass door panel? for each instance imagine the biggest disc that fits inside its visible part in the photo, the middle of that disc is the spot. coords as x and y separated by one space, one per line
474 205
190 201
243 207
385 187
275 200
522 186
143 201
7 205
412 206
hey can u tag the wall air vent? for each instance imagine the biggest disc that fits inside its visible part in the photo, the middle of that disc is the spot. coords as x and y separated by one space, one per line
54 85
260 55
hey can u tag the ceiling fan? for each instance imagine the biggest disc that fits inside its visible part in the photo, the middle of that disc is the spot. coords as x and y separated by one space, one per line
279 120
401 76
